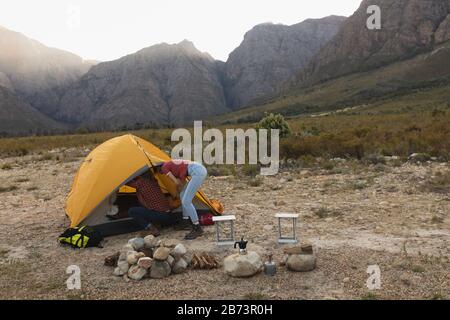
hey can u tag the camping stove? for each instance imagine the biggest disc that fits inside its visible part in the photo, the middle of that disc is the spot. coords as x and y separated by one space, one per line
270 268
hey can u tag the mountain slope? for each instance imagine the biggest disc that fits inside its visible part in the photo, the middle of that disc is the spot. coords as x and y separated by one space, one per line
420 82
18 117
32 69
409 27
272 53
160 85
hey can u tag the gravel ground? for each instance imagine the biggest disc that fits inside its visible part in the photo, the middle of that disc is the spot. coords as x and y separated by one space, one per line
354 215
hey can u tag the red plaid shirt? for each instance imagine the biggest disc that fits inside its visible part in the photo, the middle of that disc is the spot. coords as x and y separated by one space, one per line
150 195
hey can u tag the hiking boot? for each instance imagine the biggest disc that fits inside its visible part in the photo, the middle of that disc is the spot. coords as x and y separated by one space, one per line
150 230
196 231
184 224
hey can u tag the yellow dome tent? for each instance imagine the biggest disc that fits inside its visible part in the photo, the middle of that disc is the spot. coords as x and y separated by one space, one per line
103 175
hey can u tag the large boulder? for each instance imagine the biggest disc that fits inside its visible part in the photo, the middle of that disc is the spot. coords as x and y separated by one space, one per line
160 269
301 262
243 265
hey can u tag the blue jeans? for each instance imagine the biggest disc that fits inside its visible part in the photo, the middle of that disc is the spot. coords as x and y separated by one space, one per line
145 217
198 174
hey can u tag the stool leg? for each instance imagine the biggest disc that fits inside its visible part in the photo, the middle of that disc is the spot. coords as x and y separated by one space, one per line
279 228
217 231
294 224
232 230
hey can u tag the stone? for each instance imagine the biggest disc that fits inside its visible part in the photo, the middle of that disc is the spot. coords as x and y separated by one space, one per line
118 272
147 252
307 248
179 266
136 272
170 243
279 203
145 262
170 259
123 256
150 242
123 265
293 250
188 257
161 253
133 257
111 261
301 262
179 250
302 249
243 265
160 269
346 280
136 243
127 247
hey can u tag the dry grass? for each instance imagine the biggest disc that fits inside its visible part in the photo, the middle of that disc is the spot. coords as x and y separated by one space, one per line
439 183
369 136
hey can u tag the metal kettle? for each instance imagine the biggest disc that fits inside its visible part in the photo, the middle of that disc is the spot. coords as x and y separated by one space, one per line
242 246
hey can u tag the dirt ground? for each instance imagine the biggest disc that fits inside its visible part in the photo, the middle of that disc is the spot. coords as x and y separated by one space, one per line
355 215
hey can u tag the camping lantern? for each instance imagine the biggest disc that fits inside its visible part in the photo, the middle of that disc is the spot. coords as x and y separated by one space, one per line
287 216
221 221
242 246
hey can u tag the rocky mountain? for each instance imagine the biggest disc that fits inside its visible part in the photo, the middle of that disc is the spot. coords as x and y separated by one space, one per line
408 27
161 85
19 117
34 71
270 54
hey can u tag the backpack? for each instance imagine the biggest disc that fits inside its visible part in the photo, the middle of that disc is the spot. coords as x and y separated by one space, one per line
81 237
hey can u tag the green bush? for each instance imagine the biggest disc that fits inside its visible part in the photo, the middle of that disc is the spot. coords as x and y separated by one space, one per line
275 121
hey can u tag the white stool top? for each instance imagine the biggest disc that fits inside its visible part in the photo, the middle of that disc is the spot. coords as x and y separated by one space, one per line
286 215
224 218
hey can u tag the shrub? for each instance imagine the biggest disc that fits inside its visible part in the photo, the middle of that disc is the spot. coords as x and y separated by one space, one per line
221 170
255 182
440 183
250 170
6 166
275 121
8 188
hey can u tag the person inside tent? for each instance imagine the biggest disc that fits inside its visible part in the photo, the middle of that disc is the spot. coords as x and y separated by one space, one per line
155 207
178 170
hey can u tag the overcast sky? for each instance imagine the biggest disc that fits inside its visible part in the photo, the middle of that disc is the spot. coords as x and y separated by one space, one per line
108 29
